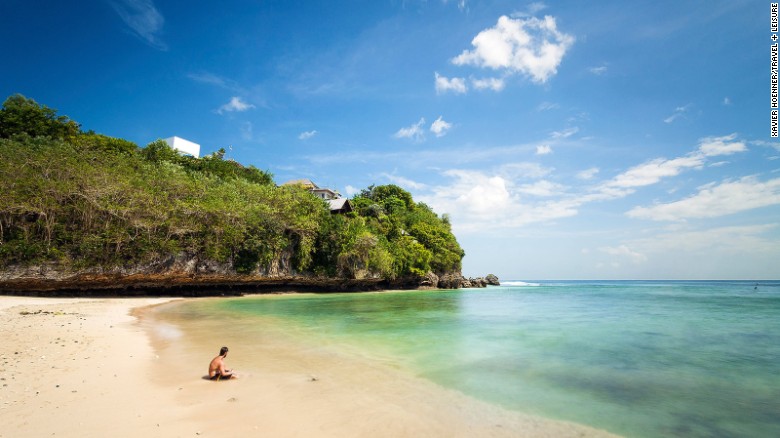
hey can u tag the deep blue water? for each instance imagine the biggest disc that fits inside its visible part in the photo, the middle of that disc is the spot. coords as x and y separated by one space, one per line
639 358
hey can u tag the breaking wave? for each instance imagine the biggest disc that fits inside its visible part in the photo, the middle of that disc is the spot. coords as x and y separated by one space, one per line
519 284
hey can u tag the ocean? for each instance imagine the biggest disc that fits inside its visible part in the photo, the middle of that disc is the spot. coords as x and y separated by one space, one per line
636 358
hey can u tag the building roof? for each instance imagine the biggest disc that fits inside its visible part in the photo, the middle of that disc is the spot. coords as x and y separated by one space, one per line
340 205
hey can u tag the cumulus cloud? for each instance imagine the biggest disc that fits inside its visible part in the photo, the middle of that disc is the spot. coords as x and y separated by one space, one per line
543 150
307 135
235 104
715 200
481 200
474 192
439 127
530 46
445 85
143 18
414 132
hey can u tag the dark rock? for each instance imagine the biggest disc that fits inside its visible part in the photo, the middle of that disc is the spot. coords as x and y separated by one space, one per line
492 280
450 281
429 281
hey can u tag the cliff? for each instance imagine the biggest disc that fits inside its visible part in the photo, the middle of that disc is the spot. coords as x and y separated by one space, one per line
187 276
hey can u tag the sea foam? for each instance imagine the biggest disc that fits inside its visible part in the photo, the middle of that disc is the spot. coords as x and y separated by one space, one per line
519 284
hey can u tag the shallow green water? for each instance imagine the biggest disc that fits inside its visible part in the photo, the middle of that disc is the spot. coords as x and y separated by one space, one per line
645 359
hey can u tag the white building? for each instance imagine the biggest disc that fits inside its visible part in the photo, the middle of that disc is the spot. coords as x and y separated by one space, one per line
184 146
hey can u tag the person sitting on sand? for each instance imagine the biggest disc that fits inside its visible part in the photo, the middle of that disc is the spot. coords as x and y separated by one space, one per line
217 369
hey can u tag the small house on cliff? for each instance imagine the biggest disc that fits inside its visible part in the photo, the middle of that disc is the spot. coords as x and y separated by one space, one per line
335 201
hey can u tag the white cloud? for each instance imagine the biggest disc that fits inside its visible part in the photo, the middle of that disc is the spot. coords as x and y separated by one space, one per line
680 111
477 193
705 242
530 46
546 106
566 133
588 173
351 191
715 200
307 135
144 20
536 7
235 104
625 252
209 78
714 146
480 201
404 182
774 145
726 101
414 132
543 150
439 127
542 188
495 84
654 170
455 85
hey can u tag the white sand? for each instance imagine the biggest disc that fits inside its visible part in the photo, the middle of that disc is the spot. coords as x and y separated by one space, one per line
81 367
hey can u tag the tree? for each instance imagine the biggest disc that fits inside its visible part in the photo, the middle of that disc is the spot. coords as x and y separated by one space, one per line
21 115
159 151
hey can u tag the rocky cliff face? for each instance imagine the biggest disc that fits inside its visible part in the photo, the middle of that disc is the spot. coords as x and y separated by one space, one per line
186 275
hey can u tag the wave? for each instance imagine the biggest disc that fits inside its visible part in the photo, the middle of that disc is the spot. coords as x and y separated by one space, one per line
519 283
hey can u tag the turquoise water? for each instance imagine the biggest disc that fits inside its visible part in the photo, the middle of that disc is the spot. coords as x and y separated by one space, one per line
644 359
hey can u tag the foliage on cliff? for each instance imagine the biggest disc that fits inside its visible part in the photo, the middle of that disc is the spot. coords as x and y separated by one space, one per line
81 199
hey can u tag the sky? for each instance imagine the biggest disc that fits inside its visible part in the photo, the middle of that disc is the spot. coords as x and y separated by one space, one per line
564 139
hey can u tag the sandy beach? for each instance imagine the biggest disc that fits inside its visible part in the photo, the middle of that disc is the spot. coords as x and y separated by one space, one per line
88 367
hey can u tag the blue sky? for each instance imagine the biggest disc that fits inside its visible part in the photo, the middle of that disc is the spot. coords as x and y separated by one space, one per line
565 140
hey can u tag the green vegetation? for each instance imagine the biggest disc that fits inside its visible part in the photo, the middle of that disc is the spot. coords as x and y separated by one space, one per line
80 200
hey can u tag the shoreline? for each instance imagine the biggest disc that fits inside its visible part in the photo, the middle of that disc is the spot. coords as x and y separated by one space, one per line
98 367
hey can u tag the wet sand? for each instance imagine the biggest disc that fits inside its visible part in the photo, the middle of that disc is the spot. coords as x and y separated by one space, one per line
81 367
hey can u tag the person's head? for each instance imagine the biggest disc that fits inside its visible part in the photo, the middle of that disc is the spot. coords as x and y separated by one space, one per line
223 351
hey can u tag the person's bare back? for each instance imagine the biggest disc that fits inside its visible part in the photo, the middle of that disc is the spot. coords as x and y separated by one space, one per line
217 370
